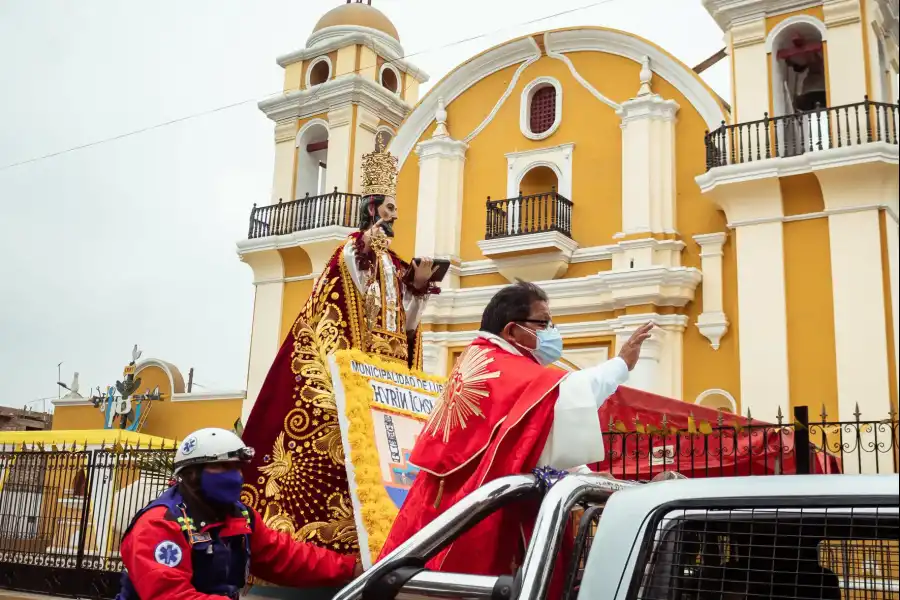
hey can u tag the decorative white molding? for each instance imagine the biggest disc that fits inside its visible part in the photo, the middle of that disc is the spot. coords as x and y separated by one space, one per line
888 209
517 51
841 12
718 392
532 241
167 368
652 107
441 146
307 126
796 165
506 94
646 75
748 33
337 37
337 93
556 158
525 107
331 74
711 244
729 12
206 396
622 44
389 67
712 323
453 85
581 255
319 243
584 82
713 326
71 402
340 36
607 290
791 22
609 327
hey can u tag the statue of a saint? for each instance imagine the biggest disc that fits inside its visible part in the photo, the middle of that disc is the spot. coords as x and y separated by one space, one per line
366 298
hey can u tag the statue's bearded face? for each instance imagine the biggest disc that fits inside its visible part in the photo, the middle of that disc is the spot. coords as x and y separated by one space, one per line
382 208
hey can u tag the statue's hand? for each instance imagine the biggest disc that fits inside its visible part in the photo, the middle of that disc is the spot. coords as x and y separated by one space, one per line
422 272
375 232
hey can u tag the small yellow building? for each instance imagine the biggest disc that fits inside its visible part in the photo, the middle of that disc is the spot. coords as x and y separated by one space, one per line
175 415
760 232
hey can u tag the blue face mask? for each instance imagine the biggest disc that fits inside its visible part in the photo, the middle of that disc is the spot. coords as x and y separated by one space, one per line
224 487
549 347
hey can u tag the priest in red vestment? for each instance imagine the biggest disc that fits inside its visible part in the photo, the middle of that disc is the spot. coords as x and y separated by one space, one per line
366 298
505 411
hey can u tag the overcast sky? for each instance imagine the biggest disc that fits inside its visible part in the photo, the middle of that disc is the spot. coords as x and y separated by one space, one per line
133 240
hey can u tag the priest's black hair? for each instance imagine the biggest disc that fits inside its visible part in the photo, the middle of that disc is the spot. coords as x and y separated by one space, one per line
511 304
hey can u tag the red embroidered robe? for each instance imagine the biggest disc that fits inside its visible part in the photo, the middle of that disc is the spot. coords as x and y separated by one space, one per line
297 481
493 420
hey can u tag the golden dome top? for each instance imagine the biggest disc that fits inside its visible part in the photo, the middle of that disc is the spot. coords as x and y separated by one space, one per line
359 14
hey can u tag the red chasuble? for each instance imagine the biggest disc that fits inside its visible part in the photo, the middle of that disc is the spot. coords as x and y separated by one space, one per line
297 481
493 420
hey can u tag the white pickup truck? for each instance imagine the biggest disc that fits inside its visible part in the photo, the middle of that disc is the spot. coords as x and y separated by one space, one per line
811 536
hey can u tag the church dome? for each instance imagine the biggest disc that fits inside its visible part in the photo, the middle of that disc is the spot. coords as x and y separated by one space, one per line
359 14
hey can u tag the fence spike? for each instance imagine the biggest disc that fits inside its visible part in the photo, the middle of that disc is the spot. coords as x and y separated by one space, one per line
856 413
720 418
665 421
824 413
779 416
749 416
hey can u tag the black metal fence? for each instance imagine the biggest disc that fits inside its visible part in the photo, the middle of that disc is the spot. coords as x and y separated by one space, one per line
802 132
63 511
641 451
537 213
311 212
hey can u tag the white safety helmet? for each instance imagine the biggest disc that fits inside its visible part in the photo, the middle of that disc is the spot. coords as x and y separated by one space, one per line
211 445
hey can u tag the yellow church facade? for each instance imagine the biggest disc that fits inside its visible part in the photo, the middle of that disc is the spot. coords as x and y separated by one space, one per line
760 237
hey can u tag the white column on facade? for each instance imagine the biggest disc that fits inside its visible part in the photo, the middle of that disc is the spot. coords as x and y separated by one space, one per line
671 380
648 160
366 129
893 250
754 210
340 135
439 210
712 322
750 70
285 149
852 195
434 359
265 339
654 371
846 52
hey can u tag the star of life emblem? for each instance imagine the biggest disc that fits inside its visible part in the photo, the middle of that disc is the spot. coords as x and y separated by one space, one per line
189 445
168 553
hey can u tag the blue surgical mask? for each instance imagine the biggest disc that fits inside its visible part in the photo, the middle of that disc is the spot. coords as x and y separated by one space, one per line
549 347
223 487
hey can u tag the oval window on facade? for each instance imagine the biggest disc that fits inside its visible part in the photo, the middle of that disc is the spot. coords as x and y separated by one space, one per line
543 109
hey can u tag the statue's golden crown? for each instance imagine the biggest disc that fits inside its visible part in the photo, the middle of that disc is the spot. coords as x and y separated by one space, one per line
379 172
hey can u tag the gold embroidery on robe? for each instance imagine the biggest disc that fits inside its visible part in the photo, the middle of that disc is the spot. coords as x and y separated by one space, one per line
462 396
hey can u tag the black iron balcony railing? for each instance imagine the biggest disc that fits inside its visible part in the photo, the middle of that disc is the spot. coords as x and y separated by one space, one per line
311 212
803 132
537 213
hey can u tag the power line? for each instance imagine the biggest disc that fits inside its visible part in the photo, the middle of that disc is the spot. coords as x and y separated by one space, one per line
280 92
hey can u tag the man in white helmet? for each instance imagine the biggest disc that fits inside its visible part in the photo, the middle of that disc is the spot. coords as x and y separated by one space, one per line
197 541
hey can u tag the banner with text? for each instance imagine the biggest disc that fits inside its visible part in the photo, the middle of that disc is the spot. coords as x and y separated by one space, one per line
381 407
